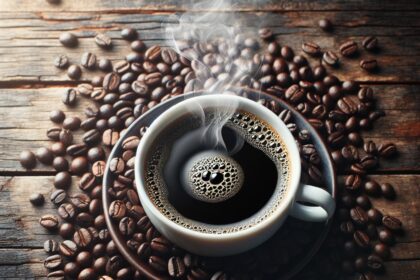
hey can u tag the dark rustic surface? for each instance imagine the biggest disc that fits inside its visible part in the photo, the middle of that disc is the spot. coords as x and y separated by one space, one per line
30 86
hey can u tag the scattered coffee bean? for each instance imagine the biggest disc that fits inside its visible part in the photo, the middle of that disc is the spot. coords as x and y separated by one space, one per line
266 34
359 216
53 262
388 191
88 60
370 43
51 246
325 24
49 222
61 62
392 223
104 64
58 197
74 72
36 199
68 248
62 180
44 155
66 230
60 164
311 48
372 188
68 39
330 58
66 211
349 48
82 237
129 34
369 65
57 116
103 41
69 97
387 150
27 159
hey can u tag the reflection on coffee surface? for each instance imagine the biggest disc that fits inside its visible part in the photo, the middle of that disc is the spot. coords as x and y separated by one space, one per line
217 189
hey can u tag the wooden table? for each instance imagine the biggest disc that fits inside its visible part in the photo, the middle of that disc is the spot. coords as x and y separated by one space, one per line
30 87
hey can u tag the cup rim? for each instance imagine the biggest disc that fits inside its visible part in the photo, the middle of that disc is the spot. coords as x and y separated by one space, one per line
161 122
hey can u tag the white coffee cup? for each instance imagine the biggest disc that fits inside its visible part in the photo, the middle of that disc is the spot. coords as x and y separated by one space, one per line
209 244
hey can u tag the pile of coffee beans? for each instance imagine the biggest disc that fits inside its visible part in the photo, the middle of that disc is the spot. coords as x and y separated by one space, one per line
361 235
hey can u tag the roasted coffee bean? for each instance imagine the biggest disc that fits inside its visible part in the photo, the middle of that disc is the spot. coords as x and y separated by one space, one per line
69 97
68 39
61 61
387 150
62 180
84 259
85 90
127 226
137 46
347 227
153 53
66 211
36 199
72 123
68 248
57 116
392 223
157 263
359 216
80 201
336 139
53 262
74 72
66 230
353 182
87 182
111 82
58 197
117 209
386 236
311 48
79 165
110 137
116 165
104 64
60 164
370 147
161 246
71 269
65 137
51 246
382 250
58 149
294 94
348 48
82 237
370 43
369 161
77 150
91 137
98 94
388 191
95 207
87 274
372 188
88 60
369 64
28 159
96 153
121 66
103 41
361 239
131 143
363 201
325 24
357 168
114 264
176 268
49 222
129 34
330 58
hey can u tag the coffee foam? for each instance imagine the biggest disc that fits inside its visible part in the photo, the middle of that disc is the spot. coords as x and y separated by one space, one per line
258 134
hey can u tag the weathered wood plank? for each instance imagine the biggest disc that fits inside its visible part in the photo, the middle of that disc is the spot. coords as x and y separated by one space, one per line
21 237
24 121
24 34
179 5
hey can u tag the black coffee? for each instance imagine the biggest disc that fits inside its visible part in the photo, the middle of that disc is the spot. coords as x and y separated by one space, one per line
260 157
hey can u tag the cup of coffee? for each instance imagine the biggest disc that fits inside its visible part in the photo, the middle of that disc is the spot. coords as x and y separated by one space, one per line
219 174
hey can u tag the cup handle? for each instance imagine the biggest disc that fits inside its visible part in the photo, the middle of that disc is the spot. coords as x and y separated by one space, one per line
324 201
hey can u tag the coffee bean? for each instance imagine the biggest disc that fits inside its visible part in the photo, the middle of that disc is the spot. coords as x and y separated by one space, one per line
311 48
66 211
88 60
87 274
44 155
330 58
137 46
69 98
348 48
68 248
369 65
117 209
116 165
110 137
36 199
157 263
363 201
114 264
61 62
370 43
82 237
361 239
49 222
96 153
91 137
127 226
27 159
74 72
71 123
387 150
129 34
51 246
294 94
153 79
153 53
266 34
76 150
121 66
103 41
71 269
68 39
357 168
80 201
388 191
325 24
386 236
62 180
372 188
66 230
176 267
84 259
369 161
353 182
382 250
79 165
53 262
58 197
87 182
392 223
359 216
370 147
60 164
111 82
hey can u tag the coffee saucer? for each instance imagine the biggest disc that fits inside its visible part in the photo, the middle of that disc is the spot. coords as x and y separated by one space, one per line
303 239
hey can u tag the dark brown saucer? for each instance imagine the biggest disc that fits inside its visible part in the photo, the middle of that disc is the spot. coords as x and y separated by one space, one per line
147 118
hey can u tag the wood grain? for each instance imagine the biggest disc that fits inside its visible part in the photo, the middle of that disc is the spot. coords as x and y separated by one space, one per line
24 119
21 237
24 34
